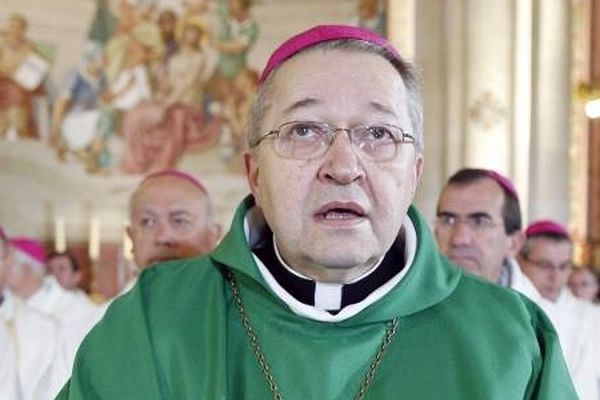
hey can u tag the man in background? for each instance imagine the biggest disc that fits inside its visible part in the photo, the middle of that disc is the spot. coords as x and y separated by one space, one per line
171 217
585 284
546 259
478 227
33 363
66 269
26 279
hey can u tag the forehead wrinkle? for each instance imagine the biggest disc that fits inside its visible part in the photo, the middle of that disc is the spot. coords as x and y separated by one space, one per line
300 104
381 108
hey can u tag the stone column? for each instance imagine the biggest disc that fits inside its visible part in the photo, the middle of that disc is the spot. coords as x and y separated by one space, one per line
550 138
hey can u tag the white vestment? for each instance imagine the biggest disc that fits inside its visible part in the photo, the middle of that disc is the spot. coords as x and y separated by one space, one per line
75 312
576 322
35 353
521 283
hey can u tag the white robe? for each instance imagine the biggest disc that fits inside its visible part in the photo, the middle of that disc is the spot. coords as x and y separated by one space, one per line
37 359
521 283
576 322
75 312
9 379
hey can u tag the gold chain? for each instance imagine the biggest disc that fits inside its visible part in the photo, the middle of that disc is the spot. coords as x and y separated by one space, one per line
262 361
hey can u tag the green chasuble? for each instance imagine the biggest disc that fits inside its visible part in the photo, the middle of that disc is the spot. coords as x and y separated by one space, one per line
177 335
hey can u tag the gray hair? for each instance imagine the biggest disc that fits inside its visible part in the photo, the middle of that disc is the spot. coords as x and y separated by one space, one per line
405 69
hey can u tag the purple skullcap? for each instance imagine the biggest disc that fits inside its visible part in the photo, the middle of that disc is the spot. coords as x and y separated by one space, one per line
546 227
319 34
504 182
194 180
32 248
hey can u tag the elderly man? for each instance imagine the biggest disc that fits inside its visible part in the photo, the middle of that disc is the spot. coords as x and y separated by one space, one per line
32 357
546 260
478 227
172 217
26 279
328 285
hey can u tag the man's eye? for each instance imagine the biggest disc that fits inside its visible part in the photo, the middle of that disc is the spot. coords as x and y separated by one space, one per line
481 220
304 130
181 221
379 132
147 222
446 219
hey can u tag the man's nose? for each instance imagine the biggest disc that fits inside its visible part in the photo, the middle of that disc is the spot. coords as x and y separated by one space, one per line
461 233
164 234
341 164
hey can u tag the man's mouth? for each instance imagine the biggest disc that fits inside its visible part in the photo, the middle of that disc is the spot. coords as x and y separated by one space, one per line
340 211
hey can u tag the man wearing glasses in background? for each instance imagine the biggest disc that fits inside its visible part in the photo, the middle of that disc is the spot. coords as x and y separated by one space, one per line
546 258
478 227
329 284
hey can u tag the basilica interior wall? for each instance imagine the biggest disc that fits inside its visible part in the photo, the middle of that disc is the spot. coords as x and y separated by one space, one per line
496 89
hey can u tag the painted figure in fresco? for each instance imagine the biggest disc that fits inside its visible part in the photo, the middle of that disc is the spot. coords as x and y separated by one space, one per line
371 15
135 25
167 23
157 132
22 71
76 112
236 34
238 105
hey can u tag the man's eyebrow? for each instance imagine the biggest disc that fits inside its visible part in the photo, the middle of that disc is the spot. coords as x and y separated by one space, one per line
306 102
479 214
179 213
382 108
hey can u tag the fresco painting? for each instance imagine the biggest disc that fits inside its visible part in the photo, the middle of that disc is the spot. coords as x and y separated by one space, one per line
94 94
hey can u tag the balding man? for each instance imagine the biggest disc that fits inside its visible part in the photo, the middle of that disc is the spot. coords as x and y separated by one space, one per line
171 217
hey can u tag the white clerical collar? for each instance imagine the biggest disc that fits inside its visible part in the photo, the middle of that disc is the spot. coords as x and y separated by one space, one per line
327 295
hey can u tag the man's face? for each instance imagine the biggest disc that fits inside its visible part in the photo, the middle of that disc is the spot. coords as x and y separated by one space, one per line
470 229
584 284
335 215
169 220
62 269
548 265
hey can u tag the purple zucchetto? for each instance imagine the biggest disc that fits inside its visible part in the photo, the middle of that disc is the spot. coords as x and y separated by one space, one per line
546 227
319 34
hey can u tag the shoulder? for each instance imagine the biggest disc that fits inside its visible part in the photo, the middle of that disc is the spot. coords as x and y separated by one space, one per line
506 305
161 286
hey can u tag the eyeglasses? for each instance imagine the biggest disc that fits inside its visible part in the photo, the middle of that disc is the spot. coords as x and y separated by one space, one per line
305 140
548 266
475 222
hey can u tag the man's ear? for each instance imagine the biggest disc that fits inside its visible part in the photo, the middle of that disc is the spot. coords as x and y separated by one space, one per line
417 172
78 277
215 232
130 235
252 172
516 241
